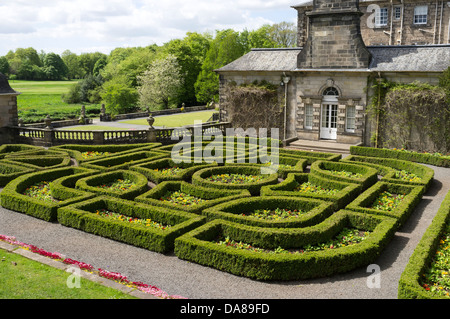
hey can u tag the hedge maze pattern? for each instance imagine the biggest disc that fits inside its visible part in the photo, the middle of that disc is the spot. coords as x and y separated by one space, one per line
284 225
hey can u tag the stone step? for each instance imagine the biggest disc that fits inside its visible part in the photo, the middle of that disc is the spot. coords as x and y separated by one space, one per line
320 146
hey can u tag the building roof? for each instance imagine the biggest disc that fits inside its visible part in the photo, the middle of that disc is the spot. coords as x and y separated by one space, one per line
311 3
5 88
429 58
265 60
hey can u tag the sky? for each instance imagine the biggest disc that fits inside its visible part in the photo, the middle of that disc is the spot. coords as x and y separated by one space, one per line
83 26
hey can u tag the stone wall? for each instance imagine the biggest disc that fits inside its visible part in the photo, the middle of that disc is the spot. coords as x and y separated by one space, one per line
8 115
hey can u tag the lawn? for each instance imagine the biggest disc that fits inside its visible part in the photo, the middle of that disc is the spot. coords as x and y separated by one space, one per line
23 278
40 98
176 120
94 128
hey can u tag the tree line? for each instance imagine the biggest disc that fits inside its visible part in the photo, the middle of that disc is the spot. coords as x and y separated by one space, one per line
155 77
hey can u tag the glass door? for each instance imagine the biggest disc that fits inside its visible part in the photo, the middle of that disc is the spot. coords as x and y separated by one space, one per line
328 128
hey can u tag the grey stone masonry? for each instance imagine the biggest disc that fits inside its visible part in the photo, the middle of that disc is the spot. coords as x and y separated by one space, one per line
334 40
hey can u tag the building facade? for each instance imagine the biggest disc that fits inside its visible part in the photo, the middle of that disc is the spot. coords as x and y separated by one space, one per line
331 75
393 22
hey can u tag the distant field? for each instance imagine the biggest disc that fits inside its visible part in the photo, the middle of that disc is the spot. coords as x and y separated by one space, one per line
40 98
175 120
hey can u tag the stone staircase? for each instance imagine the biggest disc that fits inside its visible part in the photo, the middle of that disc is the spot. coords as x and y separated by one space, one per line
325 146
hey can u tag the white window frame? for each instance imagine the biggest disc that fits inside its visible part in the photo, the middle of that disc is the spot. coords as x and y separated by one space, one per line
309 117
421 15
397 13
381 17
350 119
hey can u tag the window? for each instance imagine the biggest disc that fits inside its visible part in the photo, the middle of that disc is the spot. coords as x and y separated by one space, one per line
309 117
331 91
381 17
350 119
420 14
397 13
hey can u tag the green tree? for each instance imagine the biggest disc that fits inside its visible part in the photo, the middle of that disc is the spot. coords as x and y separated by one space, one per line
4 65
161 83
226 47
54 67
72 62
119 96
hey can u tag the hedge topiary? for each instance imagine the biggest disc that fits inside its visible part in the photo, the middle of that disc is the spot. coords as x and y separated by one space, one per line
39 162
157 171
425 158
313 211
200 246
9 172
84 216
209 196
13 198
394 166
412 196
200 178
123 161
409 284
99 184
7 149
342 195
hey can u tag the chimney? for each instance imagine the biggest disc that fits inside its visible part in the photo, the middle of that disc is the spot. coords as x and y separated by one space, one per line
334 40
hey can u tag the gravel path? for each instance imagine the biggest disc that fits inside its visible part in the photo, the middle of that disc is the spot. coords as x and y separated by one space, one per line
178 277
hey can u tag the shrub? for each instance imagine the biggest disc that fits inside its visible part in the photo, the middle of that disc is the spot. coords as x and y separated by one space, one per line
209 196
83 216
343 193
13 198
38 162
9 172
7 149
200 178
367 175
412 196
198 246
425 158
122 161
99 184
409 284
313 211
391 166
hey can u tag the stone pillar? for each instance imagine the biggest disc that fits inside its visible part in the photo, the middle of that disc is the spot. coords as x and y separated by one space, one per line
8 110
151 134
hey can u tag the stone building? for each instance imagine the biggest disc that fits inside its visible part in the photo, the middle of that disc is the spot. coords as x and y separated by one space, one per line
8 108
393 22
330 75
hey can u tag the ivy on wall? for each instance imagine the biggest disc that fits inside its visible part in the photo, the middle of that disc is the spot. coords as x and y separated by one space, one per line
413 116
256 105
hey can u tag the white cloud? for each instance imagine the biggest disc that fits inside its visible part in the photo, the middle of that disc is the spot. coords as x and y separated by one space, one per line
78 25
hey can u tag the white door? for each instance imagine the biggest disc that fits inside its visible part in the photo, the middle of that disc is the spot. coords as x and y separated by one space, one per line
328 127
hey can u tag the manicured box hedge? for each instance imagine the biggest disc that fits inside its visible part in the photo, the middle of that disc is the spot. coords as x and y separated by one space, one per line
254 187
425 173
7 149
413 196
199 246
76 150
83 216
39 162
91 183
409 284
12 197
310 155
347 191
9 172
152 170
442 161
324 168
123 161
211 195
315 211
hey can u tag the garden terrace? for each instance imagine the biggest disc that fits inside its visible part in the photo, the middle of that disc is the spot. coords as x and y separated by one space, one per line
135 224
282 216
188 197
